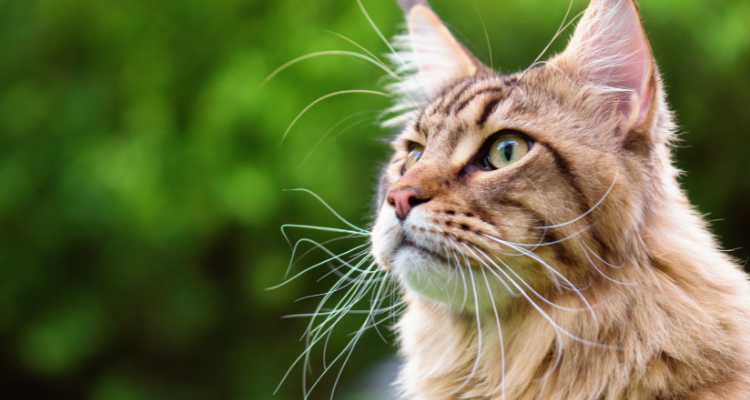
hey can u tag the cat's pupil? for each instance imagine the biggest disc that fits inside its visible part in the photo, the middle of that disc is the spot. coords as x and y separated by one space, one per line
508 148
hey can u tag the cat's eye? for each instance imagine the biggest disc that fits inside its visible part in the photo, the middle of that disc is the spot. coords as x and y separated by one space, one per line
415 153
507 149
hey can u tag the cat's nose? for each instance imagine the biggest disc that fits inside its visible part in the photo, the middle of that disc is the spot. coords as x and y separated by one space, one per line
404 200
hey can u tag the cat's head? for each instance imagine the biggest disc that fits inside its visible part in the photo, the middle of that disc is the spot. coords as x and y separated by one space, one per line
503 184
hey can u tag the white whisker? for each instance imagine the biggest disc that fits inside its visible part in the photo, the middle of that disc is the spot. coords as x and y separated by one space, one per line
544 299
554 271
563 26
325 135
543 313
339 217
600 258
384 65
499 333
318 333
372 60
489 46
479 330
387 43
323 98
590 210
586 252
333 257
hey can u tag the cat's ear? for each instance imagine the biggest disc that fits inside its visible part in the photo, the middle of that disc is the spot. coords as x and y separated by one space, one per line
430 53
610 49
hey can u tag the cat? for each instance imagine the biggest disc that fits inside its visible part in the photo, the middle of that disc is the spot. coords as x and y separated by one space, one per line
538 233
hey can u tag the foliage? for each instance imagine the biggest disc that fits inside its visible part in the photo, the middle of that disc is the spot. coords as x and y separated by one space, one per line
141 174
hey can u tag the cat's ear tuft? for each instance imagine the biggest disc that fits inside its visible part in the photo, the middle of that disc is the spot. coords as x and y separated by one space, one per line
610 49
429 58
408 4
439 57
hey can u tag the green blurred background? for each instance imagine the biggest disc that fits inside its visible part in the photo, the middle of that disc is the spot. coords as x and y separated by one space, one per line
141 176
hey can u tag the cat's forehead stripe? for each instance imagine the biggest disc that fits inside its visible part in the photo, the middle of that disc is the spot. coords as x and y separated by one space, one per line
463 93
442 125
489 108
501 92
449 102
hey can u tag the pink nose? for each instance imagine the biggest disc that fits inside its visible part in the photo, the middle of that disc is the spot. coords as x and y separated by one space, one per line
404 200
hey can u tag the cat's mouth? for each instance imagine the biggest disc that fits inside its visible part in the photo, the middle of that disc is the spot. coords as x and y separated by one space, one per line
406 243
451 260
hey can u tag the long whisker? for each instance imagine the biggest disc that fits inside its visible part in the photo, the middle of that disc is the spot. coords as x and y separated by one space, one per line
499 333
377 311
546 220
323 98
463 278
350 298
333 257
375 301
339 217
578 218
340 274
384 65
558 357
293 261
542 312
344 281
350 347
563 26
361 254
358 232
591 209
554 271
546 316
489 46
544 299
450 253
600 257
507 287
378 63
593 264
387 43
352 293
317 337
325 135
330 330
479 330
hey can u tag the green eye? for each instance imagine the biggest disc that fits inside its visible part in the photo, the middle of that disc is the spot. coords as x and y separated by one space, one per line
506 150
414 155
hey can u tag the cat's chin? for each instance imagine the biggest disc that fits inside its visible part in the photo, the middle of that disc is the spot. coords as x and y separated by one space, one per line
433 278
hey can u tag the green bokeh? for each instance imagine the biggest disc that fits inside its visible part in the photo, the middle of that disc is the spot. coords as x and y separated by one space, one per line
142 175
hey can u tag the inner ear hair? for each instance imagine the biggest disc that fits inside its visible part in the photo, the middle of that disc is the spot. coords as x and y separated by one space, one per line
406 5
638 139
610 49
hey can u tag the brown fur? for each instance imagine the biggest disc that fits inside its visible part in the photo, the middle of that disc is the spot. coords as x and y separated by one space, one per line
671 313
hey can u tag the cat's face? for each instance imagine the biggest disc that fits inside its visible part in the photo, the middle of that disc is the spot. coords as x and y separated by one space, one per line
500 185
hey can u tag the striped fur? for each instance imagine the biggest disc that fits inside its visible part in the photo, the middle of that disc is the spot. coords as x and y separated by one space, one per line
580 272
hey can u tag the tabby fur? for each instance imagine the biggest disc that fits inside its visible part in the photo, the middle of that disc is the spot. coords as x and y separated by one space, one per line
625 295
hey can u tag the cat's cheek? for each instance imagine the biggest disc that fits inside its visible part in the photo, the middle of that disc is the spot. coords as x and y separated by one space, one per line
386 237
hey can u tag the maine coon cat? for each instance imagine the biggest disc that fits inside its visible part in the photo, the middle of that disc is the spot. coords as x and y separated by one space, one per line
537 231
